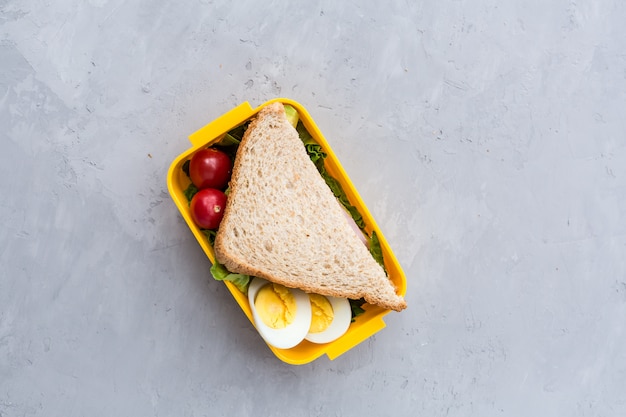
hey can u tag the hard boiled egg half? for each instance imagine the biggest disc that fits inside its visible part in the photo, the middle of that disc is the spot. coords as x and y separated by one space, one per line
330 318
284 317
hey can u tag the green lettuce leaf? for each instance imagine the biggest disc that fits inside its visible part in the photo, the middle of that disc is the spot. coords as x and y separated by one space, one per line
315 151
376 250
210 235
229 140
238 132
356 307
220 273
190 192
305 136
292 115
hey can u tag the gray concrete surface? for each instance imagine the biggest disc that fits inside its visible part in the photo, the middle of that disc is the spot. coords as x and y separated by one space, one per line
487 138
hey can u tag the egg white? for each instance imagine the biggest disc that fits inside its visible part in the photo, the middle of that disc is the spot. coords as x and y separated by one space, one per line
342 317
294 332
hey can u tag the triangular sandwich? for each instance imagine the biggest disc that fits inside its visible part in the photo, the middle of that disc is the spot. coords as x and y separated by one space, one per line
283 223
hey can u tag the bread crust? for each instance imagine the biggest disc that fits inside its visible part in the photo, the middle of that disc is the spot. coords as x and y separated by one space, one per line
295 239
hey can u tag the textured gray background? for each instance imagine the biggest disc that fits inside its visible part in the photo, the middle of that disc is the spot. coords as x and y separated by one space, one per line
486 137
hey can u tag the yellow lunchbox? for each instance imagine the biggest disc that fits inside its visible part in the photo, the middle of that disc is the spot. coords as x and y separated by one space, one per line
364 325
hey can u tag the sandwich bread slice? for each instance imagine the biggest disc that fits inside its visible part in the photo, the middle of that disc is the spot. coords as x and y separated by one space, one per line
283 223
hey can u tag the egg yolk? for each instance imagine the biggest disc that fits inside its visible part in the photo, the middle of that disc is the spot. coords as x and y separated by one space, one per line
322 313
275 305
